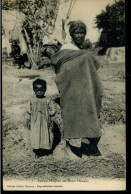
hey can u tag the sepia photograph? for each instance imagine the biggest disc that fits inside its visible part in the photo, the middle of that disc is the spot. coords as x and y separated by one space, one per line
63 95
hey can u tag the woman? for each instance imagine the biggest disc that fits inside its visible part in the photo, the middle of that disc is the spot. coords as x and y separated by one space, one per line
80 93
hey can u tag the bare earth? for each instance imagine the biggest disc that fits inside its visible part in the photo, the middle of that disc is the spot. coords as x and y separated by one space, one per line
19 161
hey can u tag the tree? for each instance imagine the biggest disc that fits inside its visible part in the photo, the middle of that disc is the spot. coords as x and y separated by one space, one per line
40 21
112 23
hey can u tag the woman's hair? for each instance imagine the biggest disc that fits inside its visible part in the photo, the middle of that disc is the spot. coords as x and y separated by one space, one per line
39 82
74 25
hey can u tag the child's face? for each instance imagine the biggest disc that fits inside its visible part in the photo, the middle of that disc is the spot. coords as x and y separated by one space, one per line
39 91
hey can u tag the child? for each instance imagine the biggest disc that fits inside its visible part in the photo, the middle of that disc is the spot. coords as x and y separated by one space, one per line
41 109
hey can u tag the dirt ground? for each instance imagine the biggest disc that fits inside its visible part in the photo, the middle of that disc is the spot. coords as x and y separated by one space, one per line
18 159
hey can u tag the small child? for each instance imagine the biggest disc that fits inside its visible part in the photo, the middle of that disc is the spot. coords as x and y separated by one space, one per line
40 111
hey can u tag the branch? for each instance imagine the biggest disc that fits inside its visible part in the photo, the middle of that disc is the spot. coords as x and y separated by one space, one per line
30 53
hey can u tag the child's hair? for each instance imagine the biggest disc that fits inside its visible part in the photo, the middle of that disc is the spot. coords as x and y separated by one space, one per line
39 82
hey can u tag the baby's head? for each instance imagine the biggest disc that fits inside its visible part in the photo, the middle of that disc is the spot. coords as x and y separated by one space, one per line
39 87
51 49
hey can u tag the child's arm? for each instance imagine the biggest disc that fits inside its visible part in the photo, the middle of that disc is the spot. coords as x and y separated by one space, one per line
27 116
51 108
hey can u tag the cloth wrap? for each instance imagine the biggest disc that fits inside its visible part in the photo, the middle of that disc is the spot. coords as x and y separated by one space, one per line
81 92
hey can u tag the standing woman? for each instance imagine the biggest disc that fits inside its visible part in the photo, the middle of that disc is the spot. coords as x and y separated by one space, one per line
81 93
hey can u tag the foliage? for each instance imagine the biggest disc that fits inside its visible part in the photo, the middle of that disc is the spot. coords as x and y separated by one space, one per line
112 23
40 21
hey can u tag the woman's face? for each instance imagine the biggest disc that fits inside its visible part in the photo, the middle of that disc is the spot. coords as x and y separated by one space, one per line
78 36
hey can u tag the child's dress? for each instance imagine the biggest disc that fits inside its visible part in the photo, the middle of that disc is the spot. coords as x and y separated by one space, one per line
40 111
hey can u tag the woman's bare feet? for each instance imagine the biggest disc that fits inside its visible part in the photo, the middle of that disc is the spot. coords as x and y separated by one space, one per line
71 155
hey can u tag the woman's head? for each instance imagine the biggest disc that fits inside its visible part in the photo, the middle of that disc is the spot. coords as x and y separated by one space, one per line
39 87
77 30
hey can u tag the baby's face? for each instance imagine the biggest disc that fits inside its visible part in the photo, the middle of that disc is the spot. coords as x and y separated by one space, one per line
39 91
50 51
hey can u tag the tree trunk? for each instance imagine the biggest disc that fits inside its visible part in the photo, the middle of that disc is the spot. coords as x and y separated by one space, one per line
29 52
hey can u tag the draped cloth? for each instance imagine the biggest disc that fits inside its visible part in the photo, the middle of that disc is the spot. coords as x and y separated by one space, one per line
81 92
